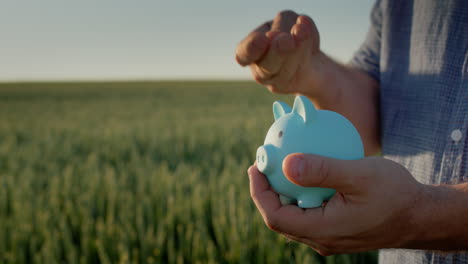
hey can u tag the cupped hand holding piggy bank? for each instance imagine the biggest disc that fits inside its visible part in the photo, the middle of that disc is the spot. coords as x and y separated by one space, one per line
305 129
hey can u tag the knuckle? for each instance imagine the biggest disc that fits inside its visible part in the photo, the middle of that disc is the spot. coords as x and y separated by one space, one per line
323 171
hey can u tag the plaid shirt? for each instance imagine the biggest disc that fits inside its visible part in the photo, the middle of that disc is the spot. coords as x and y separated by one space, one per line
418 51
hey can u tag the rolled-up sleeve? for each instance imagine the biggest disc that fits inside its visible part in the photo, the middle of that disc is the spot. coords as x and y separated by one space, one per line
367 57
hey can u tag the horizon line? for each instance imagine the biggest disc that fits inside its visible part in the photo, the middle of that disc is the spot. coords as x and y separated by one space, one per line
113 80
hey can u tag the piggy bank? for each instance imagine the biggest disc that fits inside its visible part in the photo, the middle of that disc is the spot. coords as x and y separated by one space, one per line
305 129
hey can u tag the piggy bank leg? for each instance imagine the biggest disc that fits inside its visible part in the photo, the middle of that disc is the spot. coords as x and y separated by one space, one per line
286 200
310 201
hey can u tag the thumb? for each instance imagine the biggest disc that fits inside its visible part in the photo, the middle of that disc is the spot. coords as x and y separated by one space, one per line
317 171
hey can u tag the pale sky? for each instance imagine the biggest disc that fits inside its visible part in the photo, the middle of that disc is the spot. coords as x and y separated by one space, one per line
154 39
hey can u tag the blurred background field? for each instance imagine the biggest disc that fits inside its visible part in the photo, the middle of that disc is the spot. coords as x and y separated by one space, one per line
143 172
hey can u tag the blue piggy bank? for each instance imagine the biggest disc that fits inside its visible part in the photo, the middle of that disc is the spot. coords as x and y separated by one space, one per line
305 129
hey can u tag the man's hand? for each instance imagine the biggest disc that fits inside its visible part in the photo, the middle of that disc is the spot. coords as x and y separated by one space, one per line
282 53
375 205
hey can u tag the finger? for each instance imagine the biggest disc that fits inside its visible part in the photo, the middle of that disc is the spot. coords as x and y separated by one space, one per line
279 79
317 171
288 219
253 46
280 83
269 79
282 43
303 28
284 21
262 194
272 62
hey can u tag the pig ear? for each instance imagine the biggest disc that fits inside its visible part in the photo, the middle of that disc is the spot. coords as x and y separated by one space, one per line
305 109
280 109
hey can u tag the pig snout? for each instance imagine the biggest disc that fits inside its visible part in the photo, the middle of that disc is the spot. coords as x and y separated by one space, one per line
267 158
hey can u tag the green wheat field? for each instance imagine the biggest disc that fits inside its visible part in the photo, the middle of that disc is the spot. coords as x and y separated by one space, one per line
136 172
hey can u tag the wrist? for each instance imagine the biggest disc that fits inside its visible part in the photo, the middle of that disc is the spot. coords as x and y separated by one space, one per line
325 80
420 214
439 219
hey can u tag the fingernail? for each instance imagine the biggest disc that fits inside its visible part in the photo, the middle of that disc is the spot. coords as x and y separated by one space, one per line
296 167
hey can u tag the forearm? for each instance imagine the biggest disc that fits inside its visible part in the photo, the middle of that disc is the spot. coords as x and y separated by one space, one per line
441 219
349 92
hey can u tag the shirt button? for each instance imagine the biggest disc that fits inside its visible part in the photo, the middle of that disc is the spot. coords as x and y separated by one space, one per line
456 135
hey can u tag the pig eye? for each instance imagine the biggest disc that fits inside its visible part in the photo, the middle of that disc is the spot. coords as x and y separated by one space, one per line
280 134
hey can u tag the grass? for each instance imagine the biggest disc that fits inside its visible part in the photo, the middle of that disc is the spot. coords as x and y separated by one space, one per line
143 172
